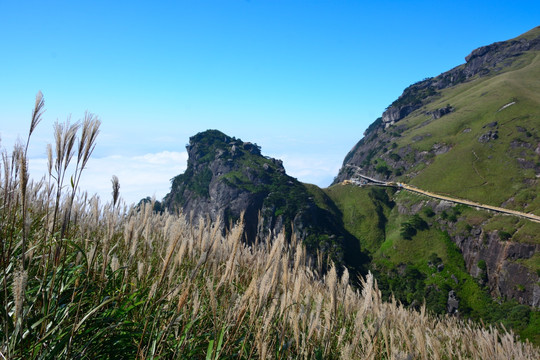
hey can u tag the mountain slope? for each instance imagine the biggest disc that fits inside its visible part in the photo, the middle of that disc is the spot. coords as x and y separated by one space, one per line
474 134
476 137
471 133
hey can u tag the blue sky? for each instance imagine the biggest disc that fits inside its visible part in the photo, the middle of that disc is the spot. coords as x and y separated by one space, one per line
303 79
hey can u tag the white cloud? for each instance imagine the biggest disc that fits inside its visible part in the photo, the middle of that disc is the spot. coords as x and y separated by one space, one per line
318 169
151 174
140 176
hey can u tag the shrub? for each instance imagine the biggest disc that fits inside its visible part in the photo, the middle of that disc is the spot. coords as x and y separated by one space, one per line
383 169
504 236
482 265
434 259
407 231
418 222
428 211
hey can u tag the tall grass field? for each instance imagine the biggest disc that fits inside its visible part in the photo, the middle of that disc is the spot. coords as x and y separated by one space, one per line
86 279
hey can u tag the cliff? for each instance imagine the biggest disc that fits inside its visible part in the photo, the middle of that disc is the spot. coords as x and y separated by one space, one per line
227 177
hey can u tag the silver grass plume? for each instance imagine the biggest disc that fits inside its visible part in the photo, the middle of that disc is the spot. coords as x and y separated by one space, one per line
19 285
115 189
36 116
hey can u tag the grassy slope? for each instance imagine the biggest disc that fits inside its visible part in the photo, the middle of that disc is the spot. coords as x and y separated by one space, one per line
483 172
364 212
376 223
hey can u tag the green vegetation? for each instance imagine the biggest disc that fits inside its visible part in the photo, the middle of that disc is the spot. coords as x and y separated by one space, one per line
414 95
383 169
423 265
364 212
198 182
412 226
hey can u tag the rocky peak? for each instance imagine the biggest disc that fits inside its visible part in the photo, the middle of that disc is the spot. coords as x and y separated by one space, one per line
491 55
227 177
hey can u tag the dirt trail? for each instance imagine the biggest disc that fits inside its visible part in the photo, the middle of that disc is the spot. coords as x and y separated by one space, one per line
413 189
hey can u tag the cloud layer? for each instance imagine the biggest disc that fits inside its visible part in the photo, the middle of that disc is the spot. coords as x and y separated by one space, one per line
140 176
151 174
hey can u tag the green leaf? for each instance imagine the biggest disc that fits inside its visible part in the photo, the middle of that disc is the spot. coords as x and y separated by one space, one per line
220 341
93 311
210 350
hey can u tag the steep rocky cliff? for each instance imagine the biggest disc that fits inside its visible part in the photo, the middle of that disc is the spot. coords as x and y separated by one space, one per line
497 263
227 177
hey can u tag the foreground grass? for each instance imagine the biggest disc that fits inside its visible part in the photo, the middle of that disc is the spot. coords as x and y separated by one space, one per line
85 280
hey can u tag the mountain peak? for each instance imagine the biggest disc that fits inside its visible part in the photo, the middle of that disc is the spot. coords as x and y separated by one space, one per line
470 133
210 144
227 178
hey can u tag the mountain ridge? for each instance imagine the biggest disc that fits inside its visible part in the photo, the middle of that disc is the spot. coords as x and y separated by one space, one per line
483 61
401 149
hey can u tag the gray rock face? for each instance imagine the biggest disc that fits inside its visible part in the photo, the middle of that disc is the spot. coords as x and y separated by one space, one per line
227 178
490 135
437 114
497 55
506 276
452 306
396 113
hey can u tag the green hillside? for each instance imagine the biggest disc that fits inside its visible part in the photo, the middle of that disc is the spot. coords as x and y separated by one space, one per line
473 133
485 147
426 266
494 172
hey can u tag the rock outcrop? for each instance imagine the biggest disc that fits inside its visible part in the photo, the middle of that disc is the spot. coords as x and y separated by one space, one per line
227 177
500 263
438 113
452 306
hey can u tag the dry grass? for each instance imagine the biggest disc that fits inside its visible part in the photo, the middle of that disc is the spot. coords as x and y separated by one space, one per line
129 283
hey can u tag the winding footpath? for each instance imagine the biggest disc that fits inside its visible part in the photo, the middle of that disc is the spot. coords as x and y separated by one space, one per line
372 181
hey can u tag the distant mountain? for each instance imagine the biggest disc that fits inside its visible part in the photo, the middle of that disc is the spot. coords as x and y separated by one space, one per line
227 177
